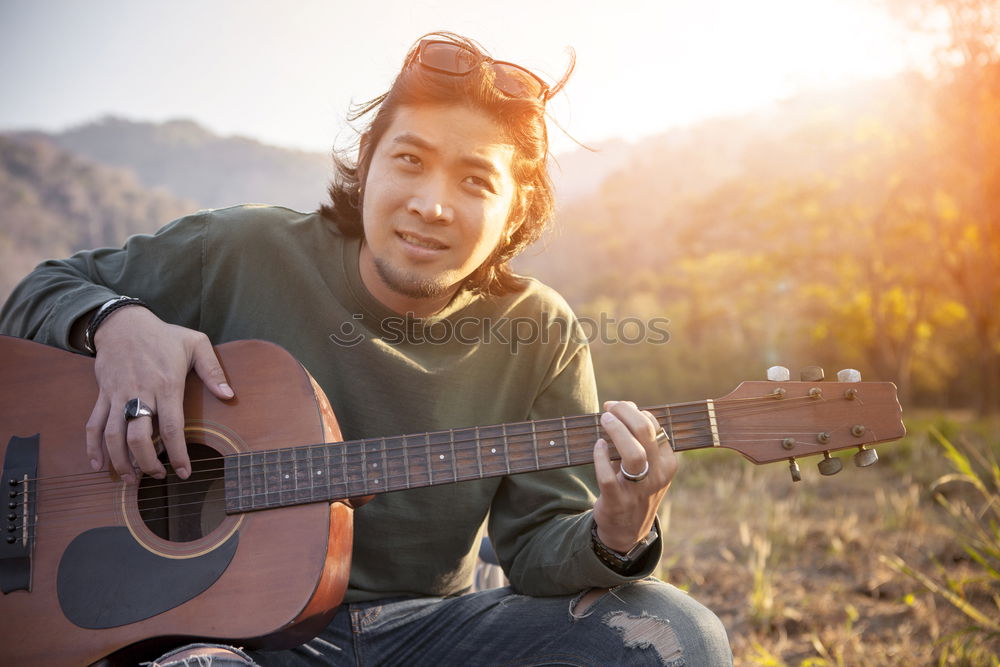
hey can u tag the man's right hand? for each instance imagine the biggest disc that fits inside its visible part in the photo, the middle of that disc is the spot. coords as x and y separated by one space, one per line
141 356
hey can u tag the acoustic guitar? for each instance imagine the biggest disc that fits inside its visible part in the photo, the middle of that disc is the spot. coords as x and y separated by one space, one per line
90 566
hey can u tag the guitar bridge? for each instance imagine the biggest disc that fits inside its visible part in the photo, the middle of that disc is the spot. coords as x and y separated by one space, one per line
20 470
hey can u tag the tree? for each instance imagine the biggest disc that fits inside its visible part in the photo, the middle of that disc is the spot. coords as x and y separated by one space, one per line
964 175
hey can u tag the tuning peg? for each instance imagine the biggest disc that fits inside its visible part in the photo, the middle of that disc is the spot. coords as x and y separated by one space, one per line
793 467
778 374
830 465
812 374
848 375
865 457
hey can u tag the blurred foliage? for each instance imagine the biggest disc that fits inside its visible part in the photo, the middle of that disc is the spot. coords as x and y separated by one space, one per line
858 229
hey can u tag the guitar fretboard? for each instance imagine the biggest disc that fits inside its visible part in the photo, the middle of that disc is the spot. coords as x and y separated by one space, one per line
332 471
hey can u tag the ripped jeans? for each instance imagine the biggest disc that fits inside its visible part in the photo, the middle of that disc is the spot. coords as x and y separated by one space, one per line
646 622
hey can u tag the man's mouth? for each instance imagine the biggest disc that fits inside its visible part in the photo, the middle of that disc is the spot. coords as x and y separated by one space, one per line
421 241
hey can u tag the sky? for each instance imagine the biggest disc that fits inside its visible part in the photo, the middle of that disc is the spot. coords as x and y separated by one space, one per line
285 73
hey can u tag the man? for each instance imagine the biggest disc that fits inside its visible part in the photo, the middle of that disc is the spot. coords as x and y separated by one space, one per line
449 185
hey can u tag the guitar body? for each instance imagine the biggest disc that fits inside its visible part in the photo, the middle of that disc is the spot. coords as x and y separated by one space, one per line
108 569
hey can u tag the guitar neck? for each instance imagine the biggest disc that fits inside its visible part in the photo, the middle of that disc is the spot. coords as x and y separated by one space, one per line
333 471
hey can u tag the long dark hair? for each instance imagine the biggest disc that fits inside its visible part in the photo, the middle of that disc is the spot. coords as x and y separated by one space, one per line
522 121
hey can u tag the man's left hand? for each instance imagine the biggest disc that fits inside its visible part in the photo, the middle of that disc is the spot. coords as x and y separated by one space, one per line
625 510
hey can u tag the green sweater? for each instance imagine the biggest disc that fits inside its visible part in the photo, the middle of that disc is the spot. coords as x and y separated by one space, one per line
292 278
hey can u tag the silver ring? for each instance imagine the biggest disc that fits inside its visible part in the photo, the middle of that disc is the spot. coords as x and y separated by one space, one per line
662 437
636 478
136 408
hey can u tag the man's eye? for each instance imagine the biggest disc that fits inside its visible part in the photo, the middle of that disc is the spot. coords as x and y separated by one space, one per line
409 158
480 183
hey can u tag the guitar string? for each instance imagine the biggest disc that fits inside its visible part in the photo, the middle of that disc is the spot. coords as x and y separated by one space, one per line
171 507
349 460
309 485
325 488
348 457
342 460
352 457
173 512
514 439
408 441
516 466
53 503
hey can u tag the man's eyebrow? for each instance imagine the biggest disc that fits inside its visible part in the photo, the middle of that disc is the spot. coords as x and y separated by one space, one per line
480 163
414 140
470 160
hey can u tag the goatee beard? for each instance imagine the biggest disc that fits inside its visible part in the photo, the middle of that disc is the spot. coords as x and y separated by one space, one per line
409 286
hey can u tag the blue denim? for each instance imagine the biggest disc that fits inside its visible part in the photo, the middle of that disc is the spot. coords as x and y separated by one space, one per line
646 622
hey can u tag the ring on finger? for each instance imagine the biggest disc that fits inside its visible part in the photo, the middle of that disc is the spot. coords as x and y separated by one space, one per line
135 408
638 477
661 437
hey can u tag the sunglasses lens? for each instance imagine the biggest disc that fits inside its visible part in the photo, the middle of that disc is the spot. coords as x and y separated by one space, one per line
517 82
446 57
451 58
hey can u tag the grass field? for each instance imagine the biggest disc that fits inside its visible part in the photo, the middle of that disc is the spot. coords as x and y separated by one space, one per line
896 564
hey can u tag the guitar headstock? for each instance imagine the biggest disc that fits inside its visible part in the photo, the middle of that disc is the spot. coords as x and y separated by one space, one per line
782 420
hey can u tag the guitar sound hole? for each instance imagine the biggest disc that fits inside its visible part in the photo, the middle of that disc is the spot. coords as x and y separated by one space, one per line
183 510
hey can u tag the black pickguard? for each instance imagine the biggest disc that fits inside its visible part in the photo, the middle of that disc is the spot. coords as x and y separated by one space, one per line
106 579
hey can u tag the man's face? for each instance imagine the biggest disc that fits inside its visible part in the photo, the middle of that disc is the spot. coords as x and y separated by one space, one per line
436 201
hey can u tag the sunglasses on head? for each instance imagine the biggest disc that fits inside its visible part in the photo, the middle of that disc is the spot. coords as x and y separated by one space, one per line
457 60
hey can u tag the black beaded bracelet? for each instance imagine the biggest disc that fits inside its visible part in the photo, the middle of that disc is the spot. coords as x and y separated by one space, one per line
102 314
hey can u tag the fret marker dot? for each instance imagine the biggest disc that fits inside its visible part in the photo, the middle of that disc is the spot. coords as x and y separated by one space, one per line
376 481
286 476
552 443
374 465
319 472
493 450
441 456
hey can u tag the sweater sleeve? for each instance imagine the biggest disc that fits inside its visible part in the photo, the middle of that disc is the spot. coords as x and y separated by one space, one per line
540 522
164 270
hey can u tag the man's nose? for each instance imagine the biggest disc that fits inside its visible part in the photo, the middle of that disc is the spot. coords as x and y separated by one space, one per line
431 204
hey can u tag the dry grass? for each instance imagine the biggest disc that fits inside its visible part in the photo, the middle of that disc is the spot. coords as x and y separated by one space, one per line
809 574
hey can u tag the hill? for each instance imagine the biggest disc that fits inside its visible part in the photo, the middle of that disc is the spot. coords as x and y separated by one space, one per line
193 162
55 203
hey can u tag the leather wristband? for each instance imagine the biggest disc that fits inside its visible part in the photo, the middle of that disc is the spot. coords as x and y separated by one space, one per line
622 563
102 314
